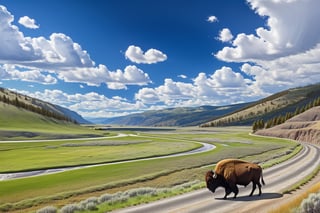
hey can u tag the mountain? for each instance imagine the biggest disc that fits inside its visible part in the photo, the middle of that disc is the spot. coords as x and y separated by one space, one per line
72 114
40 107
304 127
181 116
278 104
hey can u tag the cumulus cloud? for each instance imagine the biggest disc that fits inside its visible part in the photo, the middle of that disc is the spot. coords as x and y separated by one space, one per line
151 56
285 72
90 104
10 72
95 76
224 86
225 35
28 22
212 19
283 54
290 29
57 52
45 60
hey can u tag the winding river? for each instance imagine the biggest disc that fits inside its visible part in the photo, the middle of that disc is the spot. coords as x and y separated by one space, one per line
8 176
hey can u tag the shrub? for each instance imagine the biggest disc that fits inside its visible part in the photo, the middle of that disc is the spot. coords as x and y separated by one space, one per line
48 209
105 198
91 206
92 200
119 197
140 191
71 208
90 203
310 204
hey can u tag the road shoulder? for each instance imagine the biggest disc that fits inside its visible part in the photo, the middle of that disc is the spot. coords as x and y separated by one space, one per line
267 206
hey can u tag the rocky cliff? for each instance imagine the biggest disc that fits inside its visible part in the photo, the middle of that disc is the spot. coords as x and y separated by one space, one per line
304 127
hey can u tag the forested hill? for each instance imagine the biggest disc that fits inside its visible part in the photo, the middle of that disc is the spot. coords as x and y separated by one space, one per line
304 127
39 107
279 104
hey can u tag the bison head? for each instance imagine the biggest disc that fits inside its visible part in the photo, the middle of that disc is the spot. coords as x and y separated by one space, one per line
214 181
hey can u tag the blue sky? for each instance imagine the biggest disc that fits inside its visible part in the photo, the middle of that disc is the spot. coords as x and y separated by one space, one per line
106 58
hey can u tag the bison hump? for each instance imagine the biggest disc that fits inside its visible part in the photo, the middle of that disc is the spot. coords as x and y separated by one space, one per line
230 168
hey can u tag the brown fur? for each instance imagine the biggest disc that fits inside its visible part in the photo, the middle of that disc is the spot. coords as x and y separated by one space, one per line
238 171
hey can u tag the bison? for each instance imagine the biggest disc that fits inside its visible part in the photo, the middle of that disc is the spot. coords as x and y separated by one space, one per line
232 172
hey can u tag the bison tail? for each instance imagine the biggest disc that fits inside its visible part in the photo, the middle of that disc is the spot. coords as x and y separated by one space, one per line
262 179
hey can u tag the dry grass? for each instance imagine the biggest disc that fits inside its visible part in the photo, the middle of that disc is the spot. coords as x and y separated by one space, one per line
296 201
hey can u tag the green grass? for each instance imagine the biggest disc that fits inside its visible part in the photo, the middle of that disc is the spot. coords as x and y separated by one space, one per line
15 123
45 189
35 155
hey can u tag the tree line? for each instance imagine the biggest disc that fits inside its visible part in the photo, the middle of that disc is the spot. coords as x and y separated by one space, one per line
261 124
39 110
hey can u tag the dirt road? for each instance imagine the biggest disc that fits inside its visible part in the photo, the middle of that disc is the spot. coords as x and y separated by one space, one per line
277 178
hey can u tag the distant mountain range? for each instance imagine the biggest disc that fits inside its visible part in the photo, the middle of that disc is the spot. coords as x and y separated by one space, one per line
181 116
204 116
238 114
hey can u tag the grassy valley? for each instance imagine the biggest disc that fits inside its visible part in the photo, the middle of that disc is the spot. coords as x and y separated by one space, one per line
72 186
128 143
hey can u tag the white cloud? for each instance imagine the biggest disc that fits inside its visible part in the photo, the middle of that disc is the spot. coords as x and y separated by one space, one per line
225 35
283 54
59 52
212 19
10 72
114 79
28 22
151 56
224 86
34 58
89 104
286 72
290 29
182 76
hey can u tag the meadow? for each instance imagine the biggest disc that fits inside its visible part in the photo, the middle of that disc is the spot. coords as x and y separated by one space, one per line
73 186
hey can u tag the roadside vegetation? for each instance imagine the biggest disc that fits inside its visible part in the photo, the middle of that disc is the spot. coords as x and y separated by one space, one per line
308 201
305 202
61 189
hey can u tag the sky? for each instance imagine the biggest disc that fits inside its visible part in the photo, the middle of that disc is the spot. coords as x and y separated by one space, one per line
107 58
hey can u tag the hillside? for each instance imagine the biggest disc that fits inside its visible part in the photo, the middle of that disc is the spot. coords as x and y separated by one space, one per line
20 124
181 116
272 106
39 106
21 121
304 127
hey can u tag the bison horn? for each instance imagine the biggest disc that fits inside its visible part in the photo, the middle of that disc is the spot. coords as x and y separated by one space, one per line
214 175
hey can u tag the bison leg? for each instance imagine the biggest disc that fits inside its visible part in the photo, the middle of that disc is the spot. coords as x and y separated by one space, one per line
235 189
253 188
227 192
259 185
